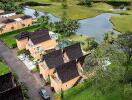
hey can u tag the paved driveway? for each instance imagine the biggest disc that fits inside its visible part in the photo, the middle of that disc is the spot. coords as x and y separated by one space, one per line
32 82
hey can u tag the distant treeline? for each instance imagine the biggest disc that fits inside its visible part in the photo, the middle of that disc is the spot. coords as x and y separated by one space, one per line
32 3
115 2
10 0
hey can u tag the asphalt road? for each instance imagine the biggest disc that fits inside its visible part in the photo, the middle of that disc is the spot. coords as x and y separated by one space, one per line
32 81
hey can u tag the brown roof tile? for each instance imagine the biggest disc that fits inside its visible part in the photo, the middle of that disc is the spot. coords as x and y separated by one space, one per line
12 94
6 82
54 59
67 71
36 37
73 51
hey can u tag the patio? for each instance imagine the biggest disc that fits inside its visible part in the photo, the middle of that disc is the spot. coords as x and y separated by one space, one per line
29 64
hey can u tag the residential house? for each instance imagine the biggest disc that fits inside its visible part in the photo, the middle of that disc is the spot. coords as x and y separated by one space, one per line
37 42
65 76
74 52
12 22
63 66
7 14
49 62
8 88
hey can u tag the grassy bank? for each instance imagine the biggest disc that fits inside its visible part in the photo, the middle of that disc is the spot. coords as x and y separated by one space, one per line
122 23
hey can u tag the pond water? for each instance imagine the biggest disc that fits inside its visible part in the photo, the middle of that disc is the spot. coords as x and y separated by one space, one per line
29 11
97 26
93 27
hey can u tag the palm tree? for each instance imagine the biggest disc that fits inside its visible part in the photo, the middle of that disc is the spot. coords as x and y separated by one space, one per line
51 25
109 37
36 13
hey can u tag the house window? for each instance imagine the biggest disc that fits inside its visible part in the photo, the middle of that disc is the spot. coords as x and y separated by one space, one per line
37 49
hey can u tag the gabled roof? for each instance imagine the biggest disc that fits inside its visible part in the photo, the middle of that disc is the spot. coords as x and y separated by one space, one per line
36 37
25 17
12 94
82 59
6 82
6 21
7 12
22 35
67 71
73 51
53 59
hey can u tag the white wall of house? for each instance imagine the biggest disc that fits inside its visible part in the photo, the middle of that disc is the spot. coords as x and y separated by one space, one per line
7 15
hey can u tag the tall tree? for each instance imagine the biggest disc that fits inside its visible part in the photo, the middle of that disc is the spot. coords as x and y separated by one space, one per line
67 27
86 2
44 21
64 4
109 37
124 41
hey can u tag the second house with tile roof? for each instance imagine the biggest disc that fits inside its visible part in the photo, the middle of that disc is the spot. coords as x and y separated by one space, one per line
38 42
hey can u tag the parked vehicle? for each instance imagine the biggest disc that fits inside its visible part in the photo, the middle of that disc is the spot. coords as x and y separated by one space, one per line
44 94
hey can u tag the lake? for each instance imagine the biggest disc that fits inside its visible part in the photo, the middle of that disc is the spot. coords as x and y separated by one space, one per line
93 27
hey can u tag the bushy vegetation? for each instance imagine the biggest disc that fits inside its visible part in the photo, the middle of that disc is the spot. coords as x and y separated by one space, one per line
67 27
86 2
21 52
24 90
109 81
11 5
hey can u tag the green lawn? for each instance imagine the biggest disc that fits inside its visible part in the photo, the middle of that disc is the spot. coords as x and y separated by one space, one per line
83 92
122 23
3 68
80 38
9 38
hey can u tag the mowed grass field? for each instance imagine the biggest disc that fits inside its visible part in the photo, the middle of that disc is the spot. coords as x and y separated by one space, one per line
74 11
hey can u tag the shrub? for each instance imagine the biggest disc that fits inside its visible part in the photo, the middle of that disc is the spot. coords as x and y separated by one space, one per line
15 78
24 90
31 58
1 59
14 45
21 51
